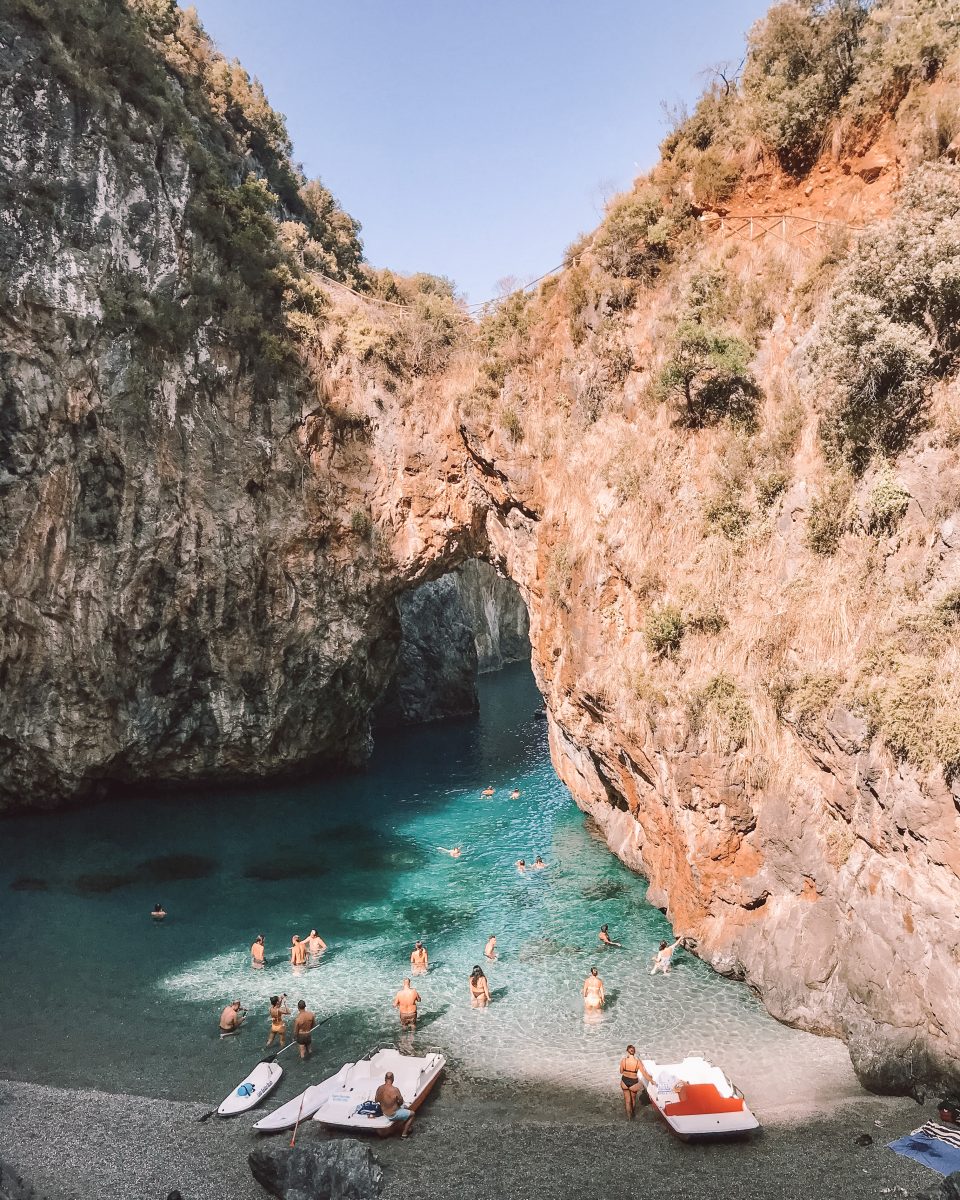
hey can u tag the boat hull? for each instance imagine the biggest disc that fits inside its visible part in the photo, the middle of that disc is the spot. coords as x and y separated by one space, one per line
705 1103
257 1086
302 1107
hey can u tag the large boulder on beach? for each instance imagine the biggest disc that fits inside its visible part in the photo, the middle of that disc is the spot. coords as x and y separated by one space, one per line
14 1187
337 1170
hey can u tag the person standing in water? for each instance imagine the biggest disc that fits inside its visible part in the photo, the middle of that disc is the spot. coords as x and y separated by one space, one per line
158 912
418 959
490 949
298 952
661 960
606 938
278 1026
406 1000
303 1026
315 944
593 994
257 953
231 1019
479 989
632 1071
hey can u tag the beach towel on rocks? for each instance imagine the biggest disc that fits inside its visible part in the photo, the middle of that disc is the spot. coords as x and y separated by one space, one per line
943 1132
933 1152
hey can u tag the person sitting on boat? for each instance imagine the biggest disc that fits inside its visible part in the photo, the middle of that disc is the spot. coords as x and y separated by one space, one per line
392 1104
158 912
418 959
315 944
487 791
479 989
605 937
661 960
303 1026
454 853
632 1071
406 1000
257 953
278 1026
538 863
232 1018
593 994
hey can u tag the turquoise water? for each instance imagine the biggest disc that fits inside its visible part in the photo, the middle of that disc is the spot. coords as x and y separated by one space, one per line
97 994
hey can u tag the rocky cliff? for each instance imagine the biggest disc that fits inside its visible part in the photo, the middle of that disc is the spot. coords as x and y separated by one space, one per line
717 454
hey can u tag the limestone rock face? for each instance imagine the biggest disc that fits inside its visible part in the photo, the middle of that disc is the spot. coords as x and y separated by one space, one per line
495 611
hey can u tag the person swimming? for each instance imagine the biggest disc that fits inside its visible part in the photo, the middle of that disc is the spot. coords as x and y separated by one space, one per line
454 853
158 912
605 937
257 953
539 863
593 994
479 989
521 864
515 794
488 790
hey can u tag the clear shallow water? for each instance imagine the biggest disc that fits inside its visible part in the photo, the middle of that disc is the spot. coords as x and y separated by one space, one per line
96 994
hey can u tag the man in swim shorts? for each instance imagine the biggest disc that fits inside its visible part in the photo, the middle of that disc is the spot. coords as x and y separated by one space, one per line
391 1102
406 1000
604 936
632 1071
315 944
256 953
418 959
278 1026
231 1019
490 950
593 995
298 952
303 1025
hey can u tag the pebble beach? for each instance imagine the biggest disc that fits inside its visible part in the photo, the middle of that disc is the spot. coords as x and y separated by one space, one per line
74 1145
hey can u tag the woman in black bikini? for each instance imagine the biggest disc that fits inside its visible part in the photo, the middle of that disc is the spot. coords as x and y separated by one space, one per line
631 1068
479 989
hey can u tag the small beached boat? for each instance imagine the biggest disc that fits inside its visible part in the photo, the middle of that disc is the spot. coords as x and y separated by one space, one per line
413 1076
259 1083
697 1100
302 1107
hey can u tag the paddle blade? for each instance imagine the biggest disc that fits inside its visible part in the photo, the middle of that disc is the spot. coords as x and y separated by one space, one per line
206 1116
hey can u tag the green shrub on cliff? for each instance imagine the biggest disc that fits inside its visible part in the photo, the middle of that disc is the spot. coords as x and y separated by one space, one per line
893 324
707 371
663 629
637 235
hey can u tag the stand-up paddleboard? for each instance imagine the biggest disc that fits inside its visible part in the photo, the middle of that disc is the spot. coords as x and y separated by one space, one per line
259 1083
302 1107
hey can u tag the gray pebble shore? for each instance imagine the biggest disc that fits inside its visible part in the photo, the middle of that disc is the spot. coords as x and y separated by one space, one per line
77 1145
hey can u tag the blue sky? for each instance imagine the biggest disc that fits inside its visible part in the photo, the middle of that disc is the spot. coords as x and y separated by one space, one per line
477 140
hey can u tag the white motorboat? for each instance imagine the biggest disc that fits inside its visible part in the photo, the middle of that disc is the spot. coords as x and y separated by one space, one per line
259 1083
302 1107
413 1076
697 1100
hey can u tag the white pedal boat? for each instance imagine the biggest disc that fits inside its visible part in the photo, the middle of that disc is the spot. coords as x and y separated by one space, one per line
259 1083
702 1101
413 1076
302 1107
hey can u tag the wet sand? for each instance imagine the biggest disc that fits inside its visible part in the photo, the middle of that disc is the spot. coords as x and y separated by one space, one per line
467 1143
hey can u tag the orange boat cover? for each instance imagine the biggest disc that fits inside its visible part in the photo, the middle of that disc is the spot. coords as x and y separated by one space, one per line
699 1098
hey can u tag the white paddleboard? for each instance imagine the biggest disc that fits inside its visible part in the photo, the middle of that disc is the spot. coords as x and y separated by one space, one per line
260 1082
302 1107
